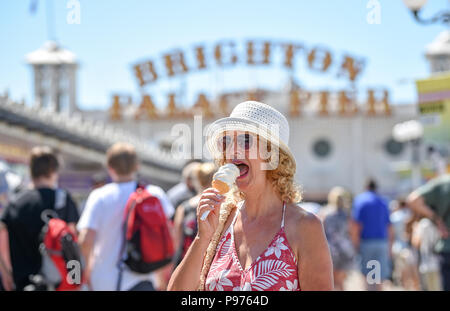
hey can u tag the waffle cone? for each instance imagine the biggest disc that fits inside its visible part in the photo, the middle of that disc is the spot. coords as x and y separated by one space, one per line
221 186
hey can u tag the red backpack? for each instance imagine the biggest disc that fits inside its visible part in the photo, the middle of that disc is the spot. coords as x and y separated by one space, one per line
147 243
61 267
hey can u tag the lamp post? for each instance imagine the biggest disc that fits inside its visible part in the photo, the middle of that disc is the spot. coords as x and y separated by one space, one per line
411 132
416 5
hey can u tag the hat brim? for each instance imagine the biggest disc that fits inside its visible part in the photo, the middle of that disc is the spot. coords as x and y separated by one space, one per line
230 124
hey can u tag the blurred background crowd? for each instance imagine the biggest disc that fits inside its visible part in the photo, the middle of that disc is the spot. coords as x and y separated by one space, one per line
375 243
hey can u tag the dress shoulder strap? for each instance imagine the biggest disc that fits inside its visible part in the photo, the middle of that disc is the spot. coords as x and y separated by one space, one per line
284 212
238 210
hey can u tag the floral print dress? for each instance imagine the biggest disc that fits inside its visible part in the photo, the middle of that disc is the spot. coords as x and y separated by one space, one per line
274 270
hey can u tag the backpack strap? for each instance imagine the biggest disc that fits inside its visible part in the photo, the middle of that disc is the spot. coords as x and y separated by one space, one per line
60 198
60 202
48 214
122 253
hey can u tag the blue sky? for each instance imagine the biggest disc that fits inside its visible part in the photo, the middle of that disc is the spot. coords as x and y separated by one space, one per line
113 35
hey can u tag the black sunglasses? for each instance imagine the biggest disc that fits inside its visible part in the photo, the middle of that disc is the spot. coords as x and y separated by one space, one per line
244 141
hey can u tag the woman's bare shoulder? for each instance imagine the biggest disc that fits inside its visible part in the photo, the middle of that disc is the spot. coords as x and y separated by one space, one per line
299 217
306 236
301 223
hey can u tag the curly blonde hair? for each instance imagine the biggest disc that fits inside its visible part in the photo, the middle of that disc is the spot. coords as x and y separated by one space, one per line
282 180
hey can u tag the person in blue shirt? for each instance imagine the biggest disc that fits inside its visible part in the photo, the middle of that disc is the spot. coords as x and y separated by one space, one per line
372 235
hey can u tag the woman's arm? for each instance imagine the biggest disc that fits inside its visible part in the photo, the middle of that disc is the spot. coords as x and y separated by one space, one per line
187 275
163 275
315 268
417 204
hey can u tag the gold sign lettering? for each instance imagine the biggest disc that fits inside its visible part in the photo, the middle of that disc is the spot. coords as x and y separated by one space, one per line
372 103
257 94
289 53
346 103
323 103
218 54
146 109
115 112
175 63
295 103
257 52
203 105
251 51
145 73
200 56
351 68
251 95
319 59
172 110
223 105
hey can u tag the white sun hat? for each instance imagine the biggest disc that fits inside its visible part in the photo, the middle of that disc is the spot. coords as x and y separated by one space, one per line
254 117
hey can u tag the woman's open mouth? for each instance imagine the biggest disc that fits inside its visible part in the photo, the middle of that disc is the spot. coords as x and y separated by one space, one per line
243 168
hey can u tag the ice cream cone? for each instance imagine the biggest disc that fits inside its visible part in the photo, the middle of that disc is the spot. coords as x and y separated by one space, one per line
223 180
221 186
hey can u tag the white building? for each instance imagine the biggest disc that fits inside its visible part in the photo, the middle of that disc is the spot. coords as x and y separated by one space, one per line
54 72
438 53
330 150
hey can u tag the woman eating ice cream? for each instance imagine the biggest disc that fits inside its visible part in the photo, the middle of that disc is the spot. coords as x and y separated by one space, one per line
254 235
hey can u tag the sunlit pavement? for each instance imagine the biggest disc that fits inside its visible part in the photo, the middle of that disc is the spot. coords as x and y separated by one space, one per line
356 282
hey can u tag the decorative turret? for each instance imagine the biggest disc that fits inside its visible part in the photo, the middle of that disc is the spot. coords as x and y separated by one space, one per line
438 53
54 70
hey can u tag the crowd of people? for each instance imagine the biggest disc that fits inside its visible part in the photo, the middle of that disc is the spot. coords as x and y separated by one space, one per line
404 241
405 236
408 238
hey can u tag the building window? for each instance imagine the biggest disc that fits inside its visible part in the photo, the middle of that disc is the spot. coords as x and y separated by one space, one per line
393 147
322 148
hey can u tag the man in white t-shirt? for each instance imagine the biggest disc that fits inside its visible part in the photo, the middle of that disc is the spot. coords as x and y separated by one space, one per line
100 225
